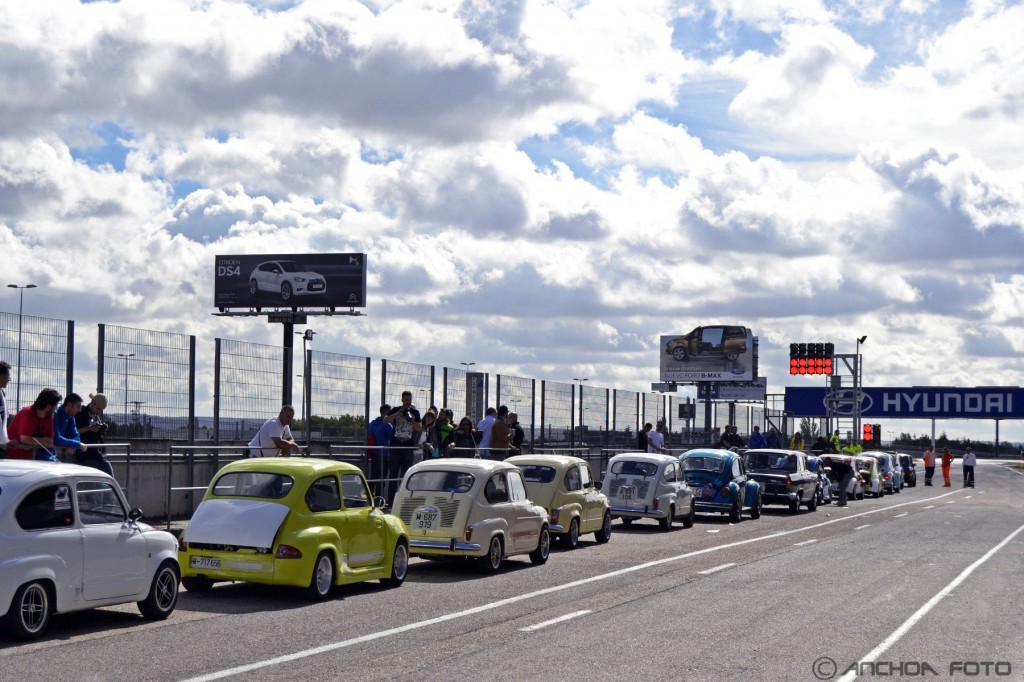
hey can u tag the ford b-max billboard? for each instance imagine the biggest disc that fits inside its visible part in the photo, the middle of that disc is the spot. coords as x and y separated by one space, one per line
311 280
710 353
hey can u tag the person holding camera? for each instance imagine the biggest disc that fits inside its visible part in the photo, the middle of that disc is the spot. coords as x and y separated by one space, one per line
91 430
406 420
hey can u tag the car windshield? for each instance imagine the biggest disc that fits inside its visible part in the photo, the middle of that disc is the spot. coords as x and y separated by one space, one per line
771 462
292 266
441 481
864 463
630 467
712 464
536 473
253 484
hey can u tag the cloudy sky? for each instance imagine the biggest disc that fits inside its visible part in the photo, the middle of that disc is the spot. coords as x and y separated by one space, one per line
543 187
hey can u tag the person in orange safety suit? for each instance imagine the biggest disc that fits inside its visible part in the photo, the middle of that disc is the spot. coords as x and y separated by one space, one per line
947 461
929 466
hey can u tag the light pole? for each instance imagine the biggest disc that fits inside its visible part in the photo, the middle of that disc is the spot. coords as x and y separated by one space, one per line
581 406
21 306
857 400
126 356
307 380
467 365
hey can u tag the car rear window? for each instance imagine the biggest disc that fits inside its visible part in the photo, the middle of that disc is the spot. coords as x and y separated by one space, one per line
536 473
773 463
630 467
441 481
712 464
253 484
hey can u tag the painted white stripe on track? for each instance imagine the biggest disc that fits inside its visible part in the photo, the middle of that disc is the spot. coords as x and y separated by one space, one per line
560 619
866 525
327 648
929 605
805 542
716 569
898 516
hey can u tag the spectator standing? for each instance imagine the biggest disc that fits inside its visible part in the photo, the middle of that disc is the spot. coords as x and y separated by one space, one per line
5 378
275 436
444 428
969 461
518 435
427 439
655 440
821 445
31 430
733 437
798 442
773 439
724 441
406 419
835 442
484 427
757 439
501 434
65 430
947 461
929 466
641 438
380 430
464 440
91 430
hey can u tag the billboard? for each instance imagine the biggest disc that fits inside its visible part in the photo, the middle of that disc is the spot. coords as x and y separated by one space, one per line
709 353
754 392
910 403
307 280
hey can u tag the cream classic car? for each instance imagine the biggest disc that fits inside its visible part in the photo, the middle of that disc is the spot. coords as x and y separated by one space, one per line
471 508
565 486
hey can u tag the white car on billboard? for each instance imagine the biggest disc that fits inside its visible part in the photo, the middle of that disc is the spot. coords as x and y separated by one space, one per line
287 278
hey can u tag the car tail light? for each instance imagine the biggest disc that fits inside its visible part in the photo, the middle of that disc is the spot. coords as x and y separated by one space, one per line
726 491
789 481
182 545
887 477
288 552
655 505
554 517
469 533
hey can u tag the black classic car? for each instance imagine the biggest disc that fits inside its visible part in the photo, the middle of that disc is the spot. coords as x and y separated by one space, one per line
784 477
909 470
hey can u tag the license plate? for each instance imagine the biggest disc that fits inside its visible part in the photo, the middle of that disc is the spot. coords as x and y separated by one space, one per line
627 492
426 518
205 562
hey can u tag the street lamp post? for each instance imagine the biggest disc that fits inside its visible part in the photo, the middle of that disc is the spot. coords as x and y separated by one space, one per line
307 388
580 381
21 307
857 400
126 356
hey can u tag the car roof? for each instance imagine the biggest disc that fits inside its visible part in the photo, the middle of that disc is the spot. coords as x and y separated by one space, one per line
780 451
556 461
653 457
23 473
719 453
296 467
481 466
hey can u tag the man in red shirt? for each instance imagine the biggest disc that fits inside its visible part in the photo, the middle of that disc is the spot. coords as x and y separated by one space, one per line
31 430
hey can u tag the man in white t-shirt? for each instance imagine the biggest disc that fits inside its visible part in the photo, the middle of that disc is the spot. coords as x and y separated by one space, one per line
656 440
969 461
275 436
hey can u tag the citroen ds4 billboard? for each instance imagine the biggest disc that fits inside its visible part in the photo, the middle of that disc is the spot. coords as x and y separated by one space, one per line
312 280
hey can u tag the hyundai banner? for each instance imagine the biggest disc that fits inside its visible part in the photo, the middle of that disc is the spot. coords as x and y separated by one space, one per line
309 280
910 403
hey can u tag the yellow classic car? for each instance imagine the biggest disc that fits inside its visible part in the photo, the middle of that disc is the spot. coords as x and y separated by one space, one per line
565 486
304 522
471 508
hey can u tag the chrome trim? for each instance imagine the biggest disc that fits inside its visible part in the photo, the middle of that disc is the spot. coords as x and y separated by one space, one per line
646 511
555 528
441 544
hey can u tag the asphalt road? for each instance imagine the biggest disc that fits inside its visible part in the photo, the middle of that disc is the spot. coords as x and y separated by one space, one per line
923 584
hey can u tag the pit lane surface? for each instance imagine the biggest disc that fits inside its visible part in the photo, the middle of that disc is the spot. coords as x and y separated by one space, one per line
783 597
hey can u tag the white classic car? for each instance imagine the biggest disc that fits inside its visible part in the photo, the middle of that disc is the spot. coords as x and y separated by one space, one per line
69 542
471 508
648 485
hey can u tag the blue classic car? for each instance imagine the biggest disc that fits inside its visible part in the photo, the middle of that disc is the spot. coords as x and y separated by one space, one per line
720 483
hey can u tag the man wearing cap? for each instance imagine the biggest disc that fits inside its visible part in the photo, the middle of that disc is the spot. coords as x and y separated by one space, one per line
91 430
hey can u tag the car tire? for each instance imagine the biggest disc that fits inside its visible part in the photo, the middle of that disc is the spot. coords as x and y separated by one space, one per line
736 513
286 291
812 504
490 563
199 583
29 612
732 357
254 288
679 354
321 582
543 551
755 513
692 516
665 524
572 538
163 593
605 533
399 566
794 506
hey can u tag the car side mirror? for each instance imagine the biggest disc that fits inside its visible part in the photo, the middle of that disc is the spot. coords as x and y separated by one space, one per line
597 485
379 502
134 515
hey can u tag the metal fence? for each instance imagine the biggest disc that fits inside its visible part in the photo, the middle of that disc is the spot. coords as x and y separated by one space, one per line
40 352
556 412
338 395
519 394
398 376
149 380
247 387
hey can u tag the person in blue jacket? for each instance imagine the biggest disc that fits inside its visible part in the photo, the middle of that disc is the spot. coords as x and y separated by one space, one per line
66 438
757 439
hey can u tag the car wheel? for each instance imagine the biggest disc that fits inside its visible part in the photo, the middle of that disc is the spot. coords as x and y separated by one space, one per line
322 579
732 356
491 562
286 291
755 513
666 523
540 555
200 583
399 566
29 613
812 504
627 521
605 534
692 516
794 505
253 287
163 593
572 538
736 513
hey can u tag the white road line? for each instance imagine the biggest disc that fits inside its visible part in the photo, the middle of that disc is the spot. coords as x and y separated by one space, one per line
930 507
929 605
901 515
568 616
715 569
408 627
866 525
805 542
717 530
950 501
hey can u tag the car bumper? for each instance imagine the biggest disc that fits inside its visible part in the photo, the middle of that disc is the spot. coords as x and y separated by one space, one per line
783 498
266 571
638 512
451 547
707 506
